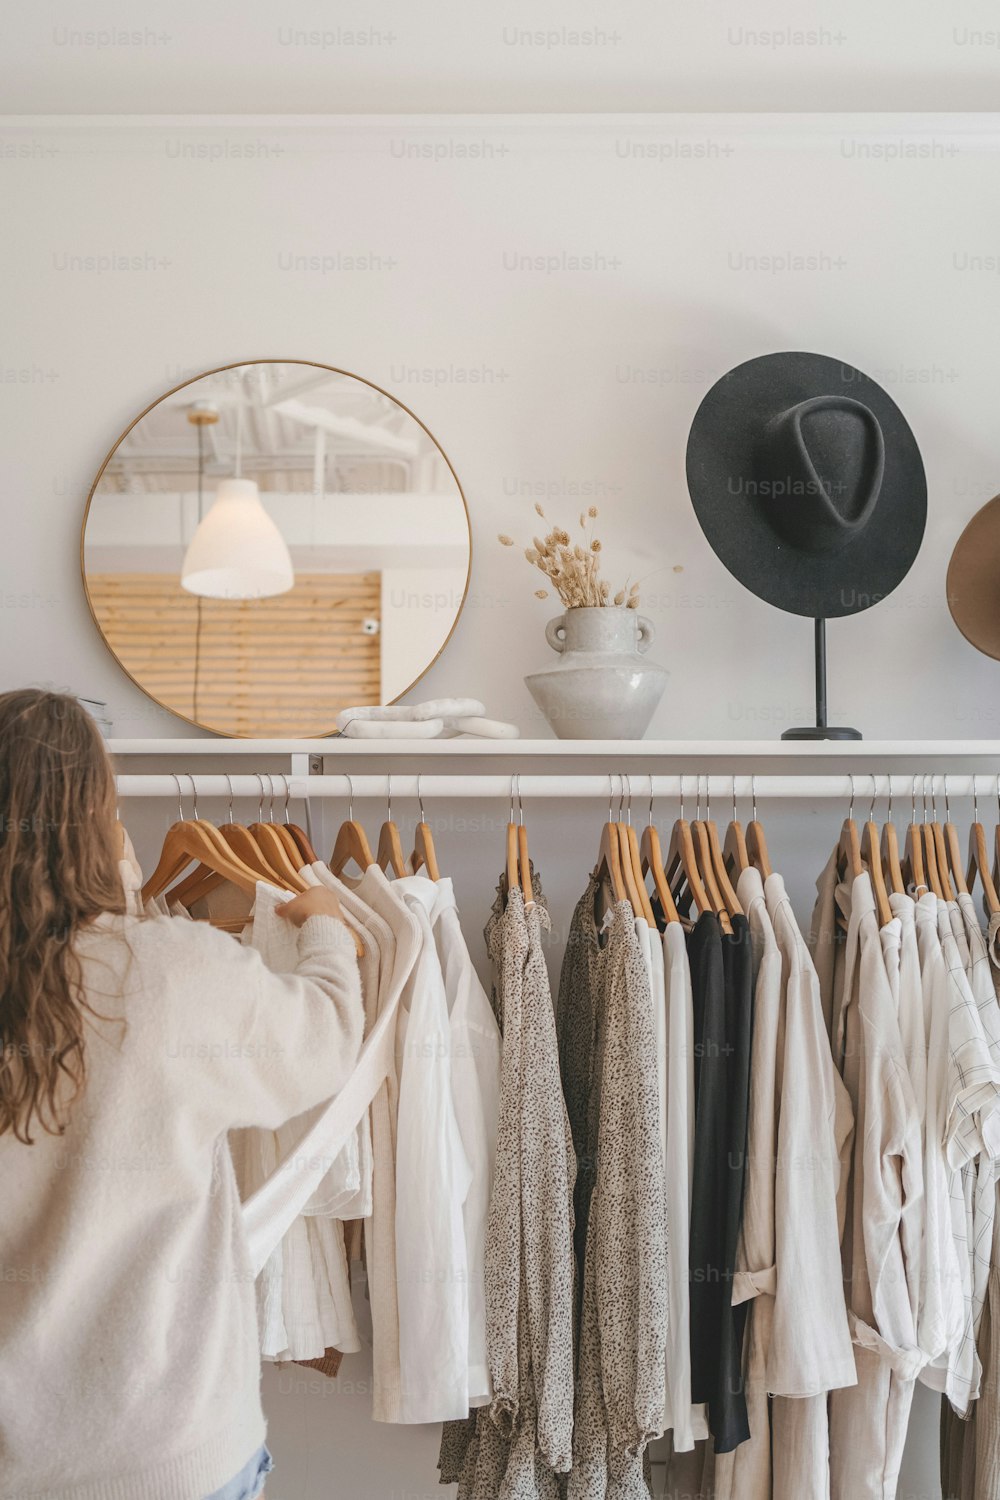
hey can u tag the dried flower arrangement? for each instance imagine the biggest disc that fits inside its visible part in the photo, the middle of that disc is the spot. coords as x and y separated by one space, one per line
573 568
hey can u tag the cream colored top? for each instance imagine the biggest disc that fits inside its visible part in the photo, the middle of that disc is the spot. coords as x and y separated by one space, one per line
200 1038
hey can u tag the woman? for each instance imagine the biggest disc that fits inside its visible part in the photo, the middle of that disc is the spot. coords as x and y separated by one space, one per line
129 1365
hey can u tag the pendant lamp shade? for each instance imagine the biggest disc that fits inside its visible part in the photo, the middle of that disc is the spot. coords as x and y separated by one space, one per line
237 551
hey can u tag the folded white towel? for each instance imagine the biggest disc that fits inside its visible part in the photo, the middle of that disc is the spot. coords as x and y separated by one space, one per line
447 718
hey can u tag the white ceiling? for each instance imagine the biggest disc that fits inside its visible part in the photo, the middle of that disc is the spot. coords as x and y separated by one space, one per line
282 420
460 56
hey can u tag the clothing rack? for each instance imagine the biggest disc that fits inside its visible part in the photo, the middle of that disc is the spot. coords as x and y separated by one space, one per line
274 789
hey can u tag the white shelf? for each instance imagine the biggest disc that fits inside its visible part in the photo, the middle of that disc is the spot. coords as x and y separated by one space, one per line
727 751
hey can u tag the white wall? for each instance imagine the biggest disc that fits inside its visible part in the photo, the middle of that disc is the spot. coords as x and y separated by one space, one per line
394 248
173 56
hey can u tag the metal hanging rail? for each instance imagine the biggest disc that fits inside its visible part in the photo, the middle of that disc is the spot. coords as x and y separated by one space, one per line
274 789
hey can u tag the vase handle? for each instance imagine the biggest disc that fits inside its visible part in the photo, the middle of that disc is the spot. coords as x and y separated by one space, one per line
646 633
555 633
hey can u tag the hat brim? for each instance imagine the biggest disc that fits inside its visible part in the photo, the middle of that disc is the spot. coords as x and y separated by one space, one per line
973 583
720 470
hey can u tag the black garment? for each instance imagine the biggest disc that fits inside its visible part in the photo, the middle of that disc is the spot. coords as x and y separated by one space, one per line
707 1244
722 996
728 1413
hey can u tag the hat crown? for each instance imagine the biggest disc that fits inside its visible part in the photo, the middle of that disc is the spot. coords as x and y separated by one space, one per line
821 464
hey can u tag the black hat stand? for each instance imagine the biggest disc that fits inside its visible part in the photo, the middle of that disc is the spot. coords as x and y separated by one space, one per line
822 730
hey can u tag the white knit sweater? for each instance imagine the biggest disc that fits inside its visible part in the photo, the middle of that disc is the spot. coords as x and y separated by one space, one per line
129 1365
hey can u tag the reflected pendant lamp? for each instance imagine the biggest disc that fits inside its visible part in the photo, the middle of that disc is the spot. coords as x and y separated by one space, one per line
237 552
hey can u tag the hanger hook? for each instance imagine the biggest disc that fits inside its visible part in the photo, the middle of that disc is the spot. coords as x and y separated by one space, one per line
734 798
194 794
650 799
680 786
913 798
947 804
388 797
628 778
888 811
871 809
420 803
180 806
350 797
975 801
697 805
288 796
850 813
229 783
753 794
520 804
270 803
933 798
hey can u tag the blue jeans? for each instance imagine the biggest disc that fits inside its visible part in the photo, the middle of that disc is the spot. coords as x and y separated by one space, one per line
248 1483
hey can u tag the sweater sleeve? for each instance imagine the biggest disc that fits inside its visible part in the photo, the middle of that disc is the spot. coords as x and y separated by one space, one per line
262 1047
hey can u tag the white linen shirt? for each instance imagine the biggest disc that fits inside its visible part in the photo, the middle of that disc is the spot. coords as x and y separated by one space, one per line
884 1221
433 1177
689 1422
475 1085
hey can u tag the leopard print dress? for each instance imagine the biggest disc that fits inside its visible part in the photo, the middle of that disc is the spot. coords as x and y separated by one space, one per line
621 1358
517 1448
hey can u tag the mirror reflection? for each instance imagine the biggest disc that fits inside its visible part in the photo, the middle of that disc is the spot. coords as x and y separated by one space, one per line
273 542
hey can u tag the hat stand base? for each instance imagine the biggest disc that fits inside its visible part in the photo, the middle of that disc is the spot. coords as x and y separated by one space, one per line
821 730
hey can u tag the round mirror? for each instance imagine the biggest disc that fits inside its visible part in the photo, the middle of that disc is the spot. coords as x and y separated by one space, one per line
273 542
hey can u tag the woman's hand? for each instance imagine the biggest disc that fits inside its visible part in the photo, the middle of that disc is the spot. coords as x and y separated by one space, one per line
317 901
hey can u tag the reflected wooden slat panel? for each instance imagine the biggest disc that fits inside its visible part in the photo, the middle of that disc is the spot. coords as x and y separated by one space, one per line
283 666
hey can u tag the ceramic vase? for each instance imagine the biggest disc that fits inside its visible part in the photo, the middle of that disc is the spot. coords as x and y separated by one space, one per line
603 687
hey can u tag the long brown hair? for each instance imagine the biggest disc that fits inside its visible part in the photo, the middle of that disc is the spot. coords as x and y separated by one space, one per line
58 870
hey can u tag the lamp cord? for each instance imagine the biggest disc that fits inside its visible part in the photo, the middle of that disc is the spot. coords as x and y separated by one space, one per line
196 680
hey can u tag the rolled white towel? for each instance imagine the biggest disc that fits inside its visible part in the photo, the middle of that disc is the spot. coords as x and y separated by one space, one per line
486 729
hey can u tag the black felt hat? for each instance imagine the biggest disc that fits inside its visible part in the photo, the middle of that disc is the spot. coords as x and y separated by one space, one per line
808 483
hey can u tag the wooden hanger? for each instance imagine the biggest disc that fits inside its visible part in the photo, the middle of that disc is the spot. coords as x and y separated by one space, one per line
756 842
631 858
871 855
713 867
202 881
196 840
682 864
189 840
952 849
297 841
889 852
390 848
849 862
931 865
734 851
651 858
277 847
523 857
609 858
914 873
424 855
979 859
518 858
351 843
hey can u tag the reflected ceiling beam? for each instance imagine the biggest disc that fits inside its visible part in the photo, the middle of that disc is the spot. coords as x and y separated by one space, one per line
381 440
300 386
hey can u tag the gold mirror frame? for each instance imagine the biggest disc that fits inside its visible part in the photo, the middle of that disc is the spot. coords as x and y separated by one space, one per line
218 370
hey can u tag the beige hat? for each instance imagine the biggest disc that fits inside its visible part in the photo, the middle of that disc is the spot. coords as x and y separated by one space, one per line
974 580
